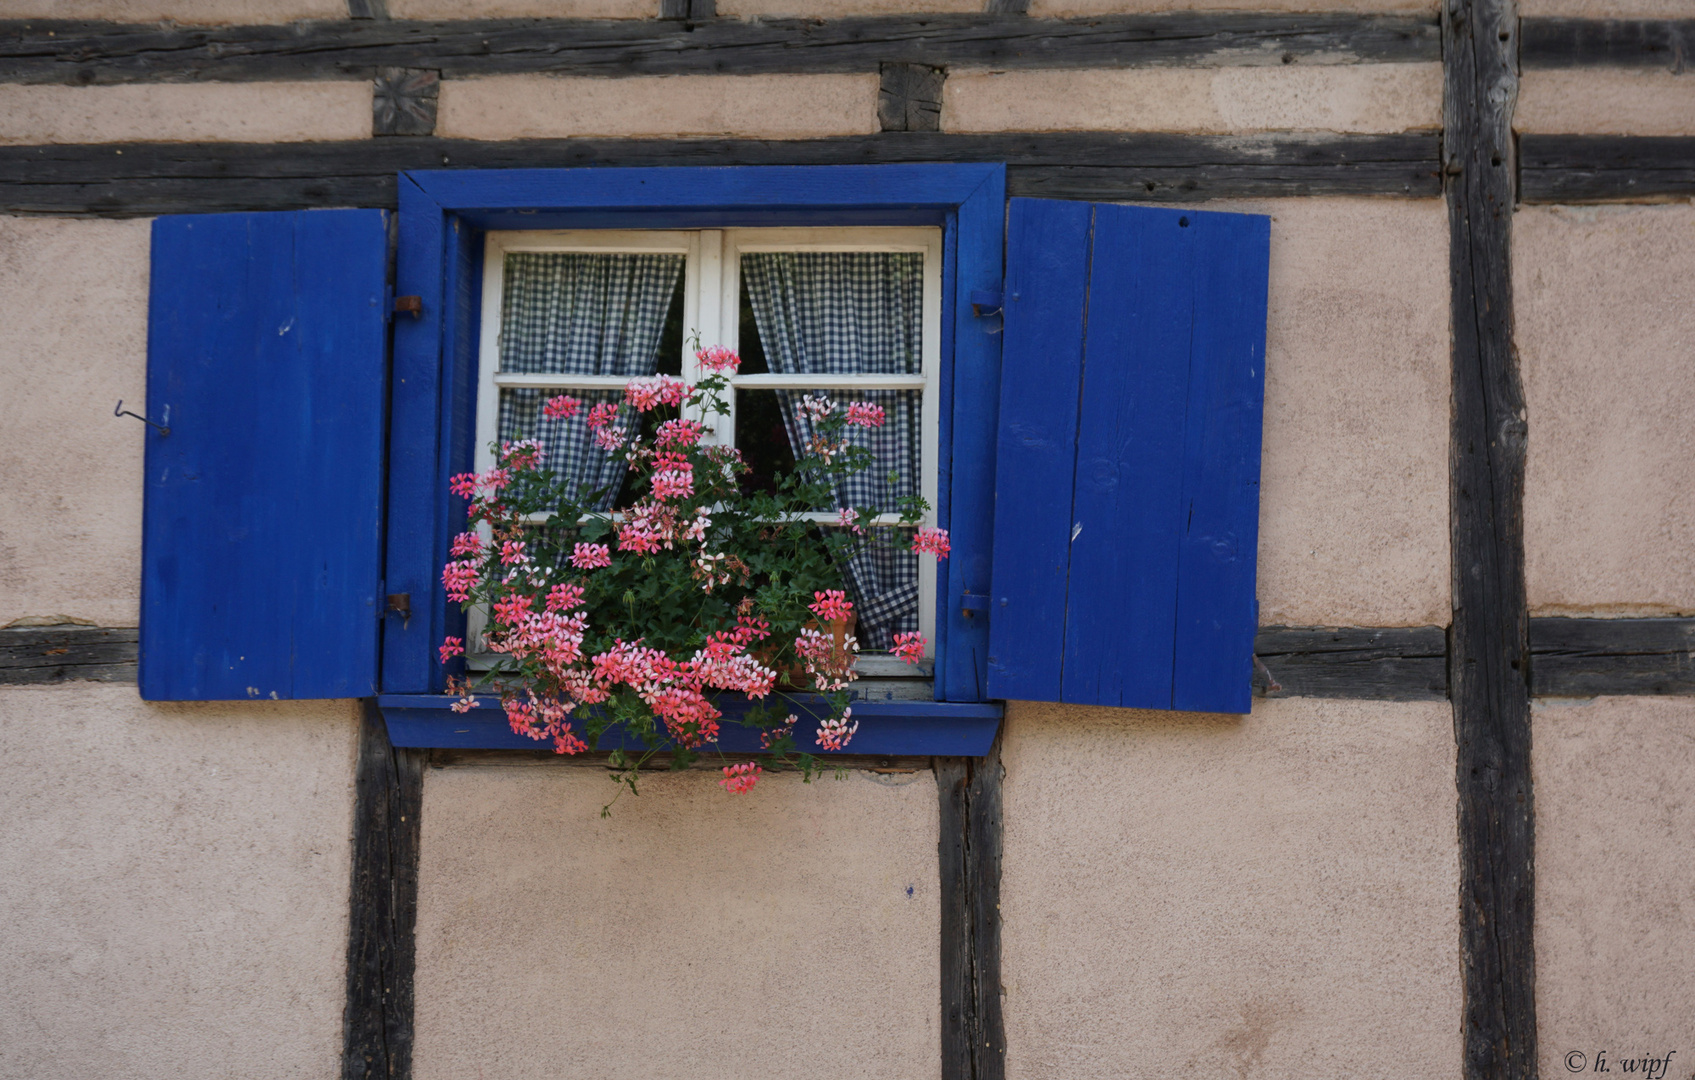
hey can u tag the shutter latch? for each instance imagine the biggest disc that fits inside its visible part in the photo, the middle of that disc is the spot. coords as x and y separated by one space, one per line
970 603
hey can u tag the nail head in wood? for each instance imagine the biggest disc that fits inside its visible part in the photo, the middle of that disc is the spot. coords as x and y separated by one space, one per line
403 101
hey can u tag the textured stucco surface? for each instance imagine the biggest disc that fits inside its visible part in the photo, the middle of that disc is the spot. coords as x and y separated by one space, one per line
179 11
1606 9
73 340
835 9
174 880
1351 97
186 112
1604 301
757 106
498 9
1264 896
1615 920
789 931
1098 7
1600 102
1354 465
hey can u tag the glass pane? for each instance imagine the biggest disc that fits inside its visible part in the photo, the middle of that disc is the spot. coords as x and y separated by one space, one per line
567 445
588 314
836 312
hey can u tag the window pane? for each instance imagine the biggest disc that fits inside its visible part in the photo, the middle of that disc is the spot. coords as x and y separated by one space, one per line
837 312
587 314
842 313
567 445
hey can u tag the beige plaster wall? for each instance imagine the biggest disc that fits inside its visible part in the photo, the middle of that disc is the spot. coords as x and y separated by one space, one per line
174 880
835 9
1605 309
1101 7
1615 837
1354 467
494 9
756 106
1269 896
179 11
790 931
1589 102
1605 9
186 112
1348 97
73 340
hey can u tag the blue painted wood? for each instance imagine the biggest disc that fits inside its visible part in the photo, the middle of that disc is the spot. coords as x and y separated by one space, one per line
262 513
764 188
1035 456
909 728
1153 604
1216 612
419 505
962 668
1127 516
431 403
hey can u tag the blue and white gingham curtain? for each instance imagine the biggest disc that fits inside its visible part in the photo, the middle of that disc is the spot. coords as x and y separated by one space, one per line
579 314
854 313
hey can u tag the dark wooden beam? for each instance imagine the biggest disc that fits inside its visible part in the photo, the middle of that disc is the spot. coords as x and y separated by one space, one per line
973 1031
1604 43
84 53
909 97
1376 663
1593 657
1605 168
1489 651
54 654
403 101
141 179
387 803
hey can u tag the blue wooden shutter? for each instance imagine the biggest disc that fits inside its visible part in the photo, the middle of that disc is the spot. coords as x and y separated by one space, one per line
1127 470
260 538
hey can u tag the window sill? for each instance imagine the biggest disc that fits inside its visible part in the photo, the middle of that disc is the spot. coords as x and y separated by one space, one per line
892 728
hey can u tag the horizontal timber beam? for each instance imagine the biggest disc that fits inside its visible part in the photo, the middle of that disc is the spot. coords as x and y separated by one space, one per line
1607 43
92 53
1569 658
1605 168
142 179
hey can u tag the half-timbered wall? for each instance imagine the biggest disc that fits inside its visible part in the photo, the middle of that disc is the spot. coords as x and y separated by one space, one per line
1283 894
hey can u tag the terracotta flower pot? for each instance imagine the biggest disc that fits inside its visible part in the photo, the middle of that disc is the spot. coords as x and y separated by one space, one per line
794 674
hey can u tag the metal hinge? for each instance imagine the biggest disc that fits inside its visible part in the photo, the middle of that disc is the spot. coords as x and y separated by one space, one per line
985 302
970 603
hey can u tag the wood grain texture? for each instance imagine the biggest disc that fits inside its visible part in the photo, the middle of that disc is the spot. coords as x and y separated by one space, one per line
143 179
909 97
403 101
1605 168
1489 652
265 358
93 53
1607 43
969 852
1593 657
1362 662
55 654
383 913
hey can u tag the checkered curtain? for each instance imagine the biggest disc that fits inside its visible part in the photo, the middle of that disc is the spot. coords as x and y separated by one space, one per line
854 313
577 314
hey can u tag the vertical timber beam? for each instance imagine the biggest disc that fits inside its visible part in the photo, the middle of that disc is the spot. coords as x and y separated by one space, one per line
387 800
1489 651
973 1034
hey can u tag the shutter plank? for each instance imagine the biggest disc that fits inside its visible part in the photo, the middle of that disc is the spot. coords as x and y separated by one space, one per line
262 507
1128 518
1216 614
1043 302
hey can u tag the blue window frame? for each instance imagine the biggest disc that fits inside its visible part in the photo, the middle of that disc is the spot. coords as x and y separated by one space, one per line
1098 461
442 221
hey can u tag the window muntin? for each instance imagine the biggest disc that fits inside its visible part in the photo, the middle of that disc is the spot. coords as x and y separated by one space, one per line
712 297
